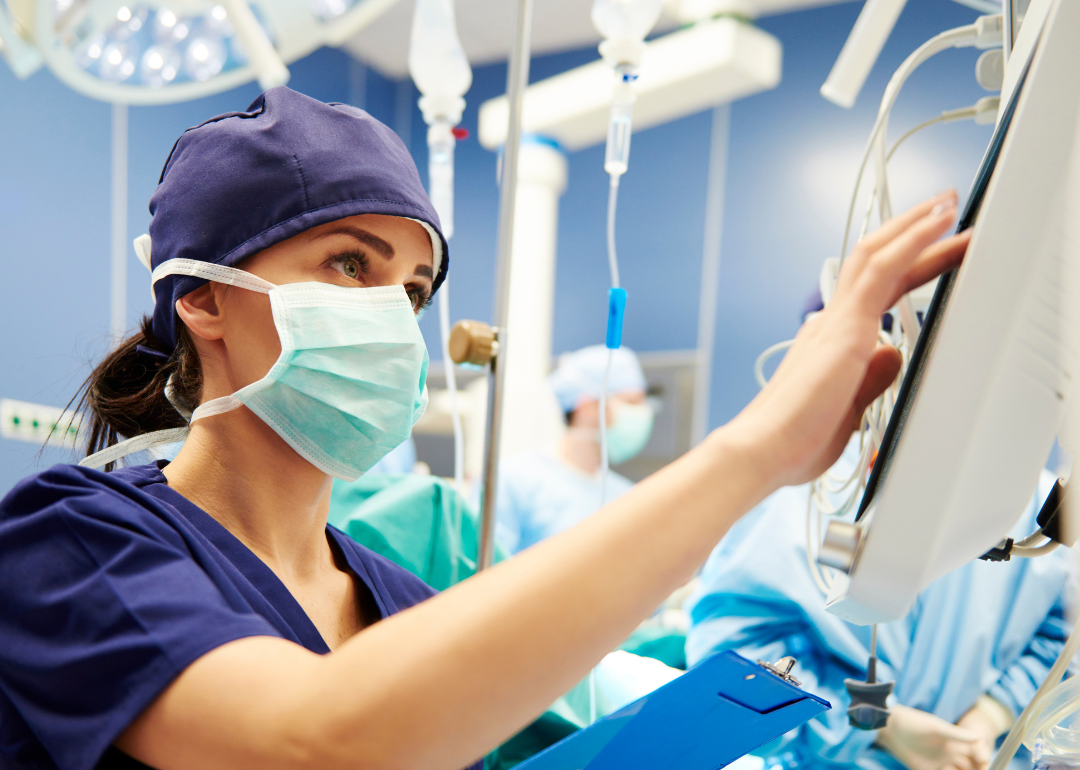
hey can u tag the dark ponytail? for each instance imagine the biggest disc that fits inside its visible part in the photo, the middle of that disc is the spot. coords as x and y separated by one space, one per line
125 394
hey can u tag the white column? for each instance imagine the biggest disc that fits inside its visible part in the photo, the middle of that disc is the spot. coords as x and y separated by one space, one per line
710 272
531 416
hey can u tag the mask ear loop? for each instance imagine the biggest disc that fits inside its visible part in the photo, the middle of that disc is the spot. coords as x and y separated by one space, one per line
132 445
146 440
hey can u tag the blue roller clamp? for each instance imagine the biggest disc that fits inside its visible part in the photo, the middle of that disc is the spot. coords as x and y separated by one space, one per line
615 313
721 709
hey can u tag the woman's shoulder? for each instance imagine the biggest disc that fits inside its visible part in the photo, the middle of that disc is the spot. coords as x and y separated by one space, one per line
81 491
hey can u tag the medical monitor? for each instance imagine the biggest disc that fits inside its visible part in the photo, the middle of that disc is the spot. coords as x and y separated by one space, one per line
984 394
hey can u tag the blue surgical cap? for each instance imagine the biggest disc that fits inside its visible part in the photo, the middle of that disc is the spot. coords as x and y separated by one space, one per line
580 375
243 181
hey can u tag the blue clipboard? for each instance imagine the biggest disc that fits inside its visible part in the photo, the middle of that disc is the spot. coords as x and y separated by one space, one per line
720 710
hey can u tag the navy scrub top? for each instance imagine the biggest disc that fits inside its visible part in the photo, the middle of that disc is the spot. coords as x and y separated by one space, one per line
111 584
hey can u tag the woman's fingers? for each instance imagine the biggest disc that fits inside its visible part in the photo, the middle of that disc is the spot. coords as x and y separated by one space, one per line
935 260
891 229
869 245
885 275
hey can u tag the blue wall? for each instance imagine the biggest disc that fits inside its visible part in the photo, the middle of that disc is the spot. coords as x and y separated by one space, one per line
791 166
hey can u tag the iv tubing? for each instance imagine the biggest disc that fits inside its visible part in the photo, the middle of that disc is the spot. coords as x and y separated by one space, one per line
516 78
613 262
613 265
1016 734
451 385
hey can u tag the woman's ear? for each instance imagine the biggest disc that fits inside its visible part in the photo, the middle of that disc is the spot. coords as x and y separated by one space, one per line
201 311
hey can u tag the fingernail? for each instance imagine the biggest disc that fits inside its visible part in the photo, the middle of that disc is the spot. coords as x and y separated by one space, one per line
941 208
947 195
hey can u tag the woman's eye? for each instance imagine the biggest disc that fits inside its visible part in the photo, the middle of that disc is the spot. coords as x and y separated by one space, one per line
419 299
350 266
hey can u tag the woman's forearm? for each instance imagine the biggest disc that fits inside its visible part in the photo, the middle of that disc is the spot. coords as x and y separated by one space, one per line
471 667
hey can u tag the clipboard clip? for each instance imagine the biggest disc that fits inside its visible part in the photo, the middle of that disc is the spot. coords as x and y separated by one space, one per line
782 668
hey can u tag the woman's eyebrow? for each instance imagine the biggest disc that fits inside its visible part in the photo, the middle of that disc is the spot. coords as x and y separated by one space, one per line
368 239
424 271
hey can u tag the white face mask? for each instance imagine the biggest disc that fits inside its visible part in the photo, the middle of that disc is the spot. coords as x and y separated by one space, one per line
350 382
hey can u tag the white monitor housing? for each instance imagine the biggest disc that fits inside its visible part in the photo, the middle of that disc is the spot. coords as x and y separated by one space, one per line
985 395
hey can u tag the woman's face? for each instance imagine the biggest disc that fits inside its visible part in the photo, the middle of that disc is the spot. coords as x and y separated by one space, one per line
361 251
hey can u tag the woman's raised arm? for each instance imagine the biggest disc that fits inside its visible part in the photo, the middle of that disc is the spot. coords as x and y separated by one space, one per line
440 684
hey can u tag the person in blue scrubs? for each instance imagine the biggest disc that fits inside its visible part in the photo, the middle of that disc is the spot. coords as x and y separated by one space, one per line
200 613
966 659
549 490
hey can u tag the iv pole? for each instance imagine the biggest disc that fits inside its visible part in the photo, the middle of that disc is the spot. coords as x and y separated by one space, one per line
517 78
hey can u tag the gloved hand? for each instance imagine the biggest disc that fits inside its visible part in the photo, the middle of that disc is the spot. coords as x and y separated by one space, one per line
922 741
988 719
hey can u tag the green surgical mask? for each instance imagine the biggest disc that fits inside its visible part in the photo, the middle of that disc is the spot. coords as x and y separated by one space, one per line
349 384
629 432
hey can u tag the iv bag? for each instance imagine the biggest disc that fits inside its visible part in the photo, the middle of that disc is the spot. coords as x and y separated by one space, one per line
625 19
437 61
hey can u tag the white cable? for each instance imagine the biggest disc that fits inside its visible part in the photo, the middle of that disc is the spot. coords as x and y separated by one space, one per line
769 352
1031 553
451 385
953 38
1016 734
1032 540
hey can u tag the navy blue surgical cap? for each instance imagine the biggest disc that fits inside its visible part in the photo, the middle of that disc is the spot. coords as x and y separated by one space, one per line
243 181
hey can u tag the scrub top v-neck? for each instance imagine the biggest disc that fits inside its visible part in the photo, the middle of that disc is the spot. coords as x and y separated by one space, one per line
111 584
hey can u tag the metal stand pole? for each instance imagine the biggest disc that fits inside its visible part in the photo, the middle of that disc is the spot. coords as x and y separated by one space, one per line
517 78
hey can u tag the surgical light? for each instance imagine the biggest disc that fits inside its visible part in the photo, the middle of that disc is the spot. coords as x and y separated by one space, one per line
162 51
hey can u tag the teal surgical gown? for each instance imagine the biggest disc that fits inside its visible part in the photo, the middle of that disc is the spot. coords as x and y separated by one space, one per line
541 495
993 628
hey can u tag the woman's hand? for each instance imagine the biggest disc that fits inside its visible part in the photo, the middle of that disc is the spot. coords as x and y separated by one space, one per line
800 423
922 741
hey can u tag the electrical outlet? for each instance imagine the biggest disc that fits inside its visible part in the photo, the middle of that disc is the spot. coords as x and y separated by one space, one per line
37 423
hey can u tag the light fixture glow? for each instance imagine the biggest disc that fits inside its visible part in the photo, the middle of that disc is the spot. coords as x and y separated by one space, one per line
168 28
124 14
118 61
204 58
159 66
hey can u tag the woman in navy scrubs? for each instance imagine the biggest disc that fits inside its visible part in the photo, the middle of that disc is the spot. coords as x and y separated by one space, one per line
201 614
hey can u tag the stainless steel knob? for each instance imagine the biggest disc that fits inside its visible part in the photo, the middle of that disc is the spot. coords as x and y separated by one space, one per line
840 545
